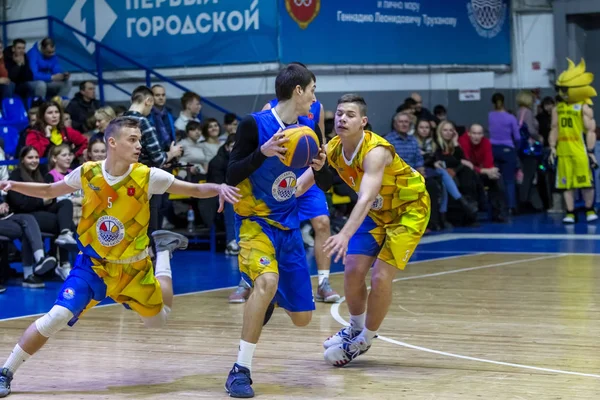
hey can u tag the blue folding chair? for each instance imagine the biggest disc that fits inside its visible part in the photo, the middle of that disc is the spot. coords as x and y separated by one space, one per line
14 110
10 136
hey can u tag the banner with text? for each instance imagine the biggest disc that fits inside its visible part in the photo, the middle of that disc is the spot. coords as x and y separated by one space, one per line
395 32
168 33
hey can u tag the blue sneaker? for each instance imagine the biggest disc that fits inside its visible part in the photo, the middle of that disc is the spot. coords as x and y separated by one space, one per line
5 378
239 382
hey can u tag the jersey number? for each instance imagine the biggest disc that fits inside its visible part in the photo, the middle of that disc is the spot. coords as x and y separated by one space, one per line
566 122
109 200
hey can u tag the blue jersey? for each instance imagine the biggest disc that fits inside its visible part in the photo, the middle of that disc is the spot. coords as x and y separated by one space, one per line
269 193
314 114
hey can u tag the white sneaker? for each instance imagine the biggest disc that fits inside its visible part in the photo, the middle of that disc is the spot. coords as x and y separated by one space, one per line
591 216
346 333
307 237
63 271
342 354
67 241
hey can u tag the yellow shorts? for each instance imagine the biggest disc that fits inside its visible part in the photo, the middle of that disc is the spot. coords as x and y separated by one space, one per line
396 242
91 281
573 172
267 249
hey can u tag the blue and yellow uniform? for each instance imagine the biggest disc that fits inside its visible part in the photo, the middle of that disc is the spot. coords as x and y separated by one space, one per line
400 213
112 236
573 169
268 227
313 202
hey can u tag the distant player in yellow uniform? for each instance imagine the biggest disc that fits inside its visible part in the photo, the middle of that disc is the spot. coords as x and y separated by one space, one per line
113 240
384 228
572 118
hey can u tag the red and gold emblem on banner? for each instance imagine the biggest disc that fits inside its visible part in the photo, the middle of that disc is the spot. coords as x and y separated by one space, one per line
303 11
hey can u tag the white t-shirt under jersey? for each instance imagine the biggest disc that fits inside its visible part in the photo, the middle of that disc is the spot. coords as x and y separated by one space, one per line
160 181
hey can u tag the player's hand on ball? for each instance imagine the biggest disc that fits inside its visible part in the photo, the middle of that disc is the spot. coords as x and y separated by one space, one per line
319 160
272 147
337 245
228 194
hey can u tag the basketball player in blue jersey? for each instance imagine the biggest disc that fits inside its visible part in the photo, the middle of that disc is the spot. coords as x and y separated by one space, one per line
272 257
312 206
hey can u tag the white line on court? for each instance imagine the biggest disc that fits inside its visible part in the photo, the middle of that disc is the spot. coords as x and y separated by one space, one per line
335 313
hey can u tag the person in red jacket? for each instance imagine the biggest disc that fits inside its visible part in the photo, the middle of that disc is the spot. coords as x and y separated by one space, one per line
478 150
49 130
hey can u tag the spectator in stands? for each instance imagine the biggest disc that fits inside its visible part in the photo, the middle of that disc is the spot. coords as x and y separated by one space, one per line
230 124
59 161
422 112
25 228
49 77
405 144
120 110
440 112
544 119
103 116
504 133
3 168
193 151
450 156
525 113
7 88
52 216
83 105
50 130
67 120
96 150
19 70
161 118
190 102
211 130
478 150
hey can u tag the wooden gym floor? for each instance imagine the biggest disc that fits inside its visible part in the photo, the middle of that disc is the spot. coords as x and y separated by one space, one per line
475 326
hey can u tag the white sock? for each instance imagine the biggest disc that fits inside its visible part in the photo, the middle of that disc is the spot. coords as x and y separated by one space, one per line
324 274
27 271
38 255
17 357
357 322
163 264
245 354
368 335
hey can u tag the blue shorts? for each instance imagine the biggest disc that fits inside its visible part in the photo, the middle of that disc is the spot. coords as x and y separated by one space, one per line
265 248
312 204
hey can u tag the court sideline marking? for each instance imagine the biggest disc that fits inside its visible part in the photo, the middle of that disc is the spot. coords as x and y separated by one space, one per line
335 313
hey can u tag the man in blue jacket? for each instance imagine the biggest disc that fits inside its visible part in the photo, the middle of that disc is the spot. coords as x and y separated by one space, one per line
49 77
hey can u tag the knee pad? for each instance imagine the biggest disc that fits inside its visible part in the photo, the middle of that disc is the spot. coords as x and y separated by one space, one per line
53 321
159 320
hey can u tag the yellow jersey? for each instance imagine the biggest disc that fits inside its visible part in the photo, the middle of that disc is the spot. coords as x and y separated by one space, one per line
114 220
401 184
571 130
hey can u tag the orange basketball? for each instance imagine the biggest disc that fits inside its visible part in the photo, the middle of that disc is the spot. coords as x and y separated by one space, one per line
302 147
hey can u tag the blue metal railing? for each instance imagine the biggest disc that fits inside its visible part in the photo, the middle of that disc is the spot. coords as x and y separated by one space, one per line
98 55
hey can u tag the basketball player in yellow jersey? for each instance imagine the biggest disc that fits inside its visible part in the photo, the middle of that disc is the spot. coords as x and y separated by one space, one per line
113 240
572 118
383 230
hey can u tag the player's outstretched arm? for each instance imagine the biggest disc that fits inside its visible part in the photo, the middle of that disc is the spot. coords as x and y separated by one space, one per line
40 190
225 192
374 166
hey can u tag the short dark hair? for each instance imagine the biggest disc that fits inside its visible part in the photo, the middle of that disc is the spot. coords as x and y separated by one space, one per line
157 86
439 109
409 101
356 99
229 118
140 94
19 40
82 84
304 66
47 42
188 97
114 127
206 124
193 126
288 78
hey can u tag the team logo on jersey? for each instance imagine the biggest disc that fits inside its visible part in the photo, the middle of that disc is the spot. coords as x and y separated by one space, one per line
487 16
68 293
264 261
284 186
577 107
303 11
311 115
110 231
377 203
131 191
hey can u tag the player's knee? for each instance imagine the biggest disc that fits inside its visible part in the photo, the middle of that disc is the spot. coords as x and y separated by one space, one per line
159 320
321 224
381 278
53 321
266 285
301 318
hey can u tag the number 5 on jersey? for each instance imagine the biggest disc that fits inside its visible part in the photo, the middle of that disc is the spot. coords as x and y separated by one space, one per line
109 201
